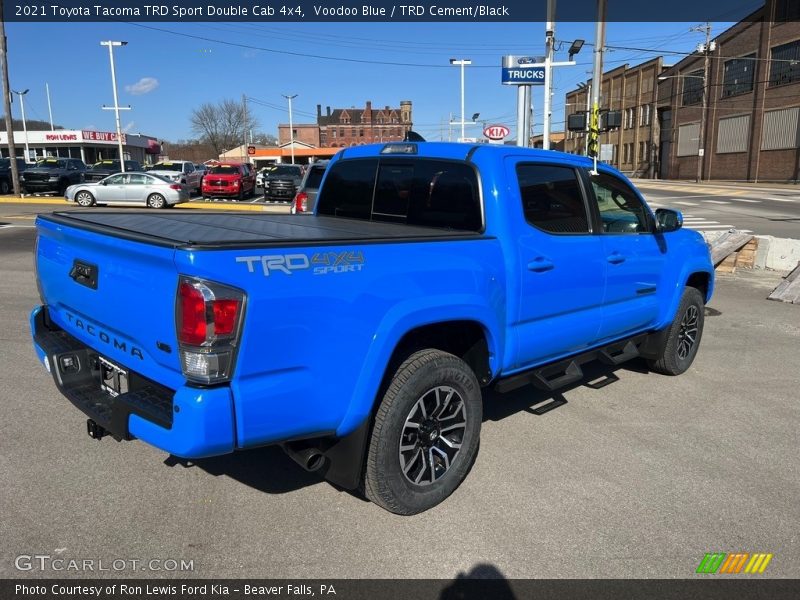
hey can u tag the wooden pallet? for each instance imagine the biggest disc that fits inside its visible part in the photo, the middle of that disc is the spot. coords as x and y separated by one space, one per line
788 290
734 249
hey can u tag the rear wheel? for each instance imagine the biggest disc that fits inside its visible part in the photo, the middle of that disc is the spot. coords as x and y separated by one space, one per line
5 187
156 201
84 198
683 336
425 435
62 187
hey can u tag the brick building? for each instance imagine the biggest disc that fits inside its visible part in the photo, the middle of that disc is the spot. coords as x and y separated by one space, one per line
633 91
304 133
751 125
345 127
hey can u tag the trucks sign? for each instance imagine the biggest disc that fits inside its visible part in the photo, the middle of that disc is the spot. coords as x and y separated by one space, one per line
522 70
496 132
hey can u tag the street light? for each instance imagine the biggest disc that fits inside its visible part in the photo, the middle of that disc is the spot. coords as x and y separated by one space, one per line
24 124
291 126
703 110
116 107
462 63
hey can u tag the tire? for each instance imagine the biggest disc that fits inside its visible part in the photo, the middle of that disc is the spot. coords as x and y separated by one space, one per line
62 187
240 197
414 461
156 201
683 336
5 187
84 198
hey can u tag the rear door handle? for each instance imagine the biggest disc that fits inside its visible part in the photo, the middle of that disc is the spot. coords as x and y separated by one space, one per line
615 258
540 264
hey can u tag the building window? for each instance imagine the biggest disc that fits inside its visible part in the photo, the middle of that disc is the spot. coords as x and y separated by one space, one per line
333 134
642 152
644 115
738 75
360 133
785 64
693 87
689 139
787 10
733 134
781 129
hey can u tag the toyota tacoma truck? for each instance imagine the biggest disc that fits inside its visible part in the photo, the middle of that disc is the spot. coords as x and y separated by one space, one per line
435 271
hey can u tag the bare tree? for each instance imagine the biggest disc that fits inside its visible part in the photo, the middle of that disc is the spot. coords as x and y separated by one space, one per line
221 125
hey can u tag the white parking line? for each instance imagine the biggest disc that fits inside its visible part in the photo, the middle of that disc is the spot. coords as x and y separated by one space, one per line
686 203
680 197
746 200
716 201
781 199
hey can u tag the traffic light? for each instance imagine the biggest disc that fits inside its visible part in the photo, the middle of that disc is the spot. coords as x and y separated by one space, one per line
611 119
576 122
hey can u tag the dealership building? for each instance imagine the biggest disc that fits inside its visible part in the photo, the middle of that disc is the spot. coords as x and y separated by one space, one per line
88 145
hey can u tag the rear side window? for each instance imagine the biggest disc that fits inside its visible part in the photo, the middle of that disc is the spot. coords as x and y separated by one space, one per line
551 198
314 177
429 193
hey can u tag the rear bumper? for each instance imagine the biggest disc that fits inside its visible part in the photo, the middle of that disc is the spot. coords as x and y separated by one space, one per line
188 422
218 191
40 186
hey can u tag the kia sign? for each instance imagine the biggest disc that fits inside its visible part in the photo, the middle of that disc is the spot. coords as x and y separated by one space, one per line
496 132
522 70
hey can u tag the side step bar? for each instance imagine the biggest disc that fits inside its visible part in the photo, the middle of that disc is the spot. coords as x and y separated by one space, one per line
559 374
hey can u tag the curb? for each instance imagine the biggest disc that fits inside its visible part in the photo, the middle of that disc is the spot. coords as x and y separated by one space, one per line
224 206
712 186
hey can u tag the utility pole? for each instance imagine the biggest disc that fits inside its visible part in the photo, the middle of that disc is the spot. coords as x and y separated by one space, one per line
450 128
116 108
597 81
49 106
462 63
549 40
707 48
24 122
291 125
244 129
12 149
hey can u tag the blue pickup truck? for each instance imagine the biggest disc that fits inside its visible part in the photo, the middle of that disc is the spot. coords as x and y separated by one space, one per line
360 338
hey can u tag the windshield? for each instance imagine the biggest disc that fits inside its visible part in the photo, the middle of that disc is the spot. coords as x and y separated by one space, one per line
51 163
285 170
224 170
5 163
107 164
168 167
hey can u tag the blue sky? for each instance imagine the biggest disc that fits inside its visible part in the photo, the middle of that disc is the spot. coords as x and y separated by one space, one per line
164 74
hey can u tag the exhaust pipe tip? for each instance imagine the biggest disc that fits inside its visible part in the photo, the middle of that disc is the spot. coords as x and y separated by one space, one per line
310 458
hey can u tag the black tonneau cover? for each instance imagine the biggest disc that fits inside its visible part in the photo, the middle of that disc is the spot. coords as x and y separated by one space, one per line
210 230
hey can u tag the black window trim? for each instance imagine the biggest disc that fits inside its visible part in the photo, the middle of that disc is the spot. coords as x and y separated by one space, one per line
595 209
398 159
590 221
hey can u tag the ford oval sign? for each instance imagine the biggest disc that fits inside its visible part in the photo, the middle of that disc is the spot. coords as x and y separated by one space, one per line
496 132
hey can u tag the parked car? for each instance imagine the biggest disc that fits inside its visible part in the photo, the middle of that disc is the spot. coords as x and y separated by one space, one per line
52 175
202 169
5 173
281 182
181 171
229 180
104 168
306 196
440 270
140 189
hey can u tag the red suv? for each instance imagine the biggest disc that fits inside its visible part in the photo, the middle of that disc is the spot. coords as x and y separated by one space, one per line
229 180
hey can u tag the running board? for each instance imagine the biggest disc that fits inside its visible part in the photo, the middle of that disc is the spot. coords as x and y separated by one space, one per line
564 372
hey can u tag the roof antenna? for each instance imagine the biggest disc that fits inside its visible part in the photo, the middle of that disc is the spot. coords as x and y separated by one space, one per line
413 136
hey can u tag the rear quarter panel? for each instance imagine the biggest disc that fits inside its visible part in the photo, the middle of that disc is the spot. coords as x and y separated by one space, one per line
318 335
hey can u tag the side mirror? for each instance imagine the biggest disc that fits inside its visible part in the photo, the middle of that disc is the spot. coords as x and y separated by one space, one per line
668 220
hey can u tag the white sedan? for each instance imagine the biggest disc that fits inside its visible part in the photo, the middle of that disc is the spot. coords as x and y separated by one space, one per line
129 189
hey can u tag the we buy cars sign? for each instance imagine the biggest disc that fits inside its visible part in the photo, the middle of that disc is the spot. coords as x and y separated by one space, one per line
496 132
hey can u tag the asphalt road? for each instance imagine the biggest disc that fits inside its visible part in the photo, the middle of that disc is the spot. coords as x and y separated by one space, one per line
763 211
637 478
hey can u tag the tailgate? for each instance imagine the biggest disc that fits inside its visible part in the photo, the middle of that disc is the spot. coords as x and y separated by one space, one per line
114 295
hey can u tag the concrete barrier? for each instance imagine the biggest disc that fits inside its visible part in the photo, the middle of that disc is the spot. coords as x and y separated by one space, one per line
776 254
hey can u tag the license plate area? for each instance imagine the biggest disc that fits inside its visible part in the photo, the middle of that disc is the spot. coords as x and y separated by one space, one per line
113 379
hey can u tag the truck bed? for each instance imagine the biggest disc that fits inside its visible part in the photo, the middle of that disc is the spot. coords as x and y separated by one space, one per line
210 230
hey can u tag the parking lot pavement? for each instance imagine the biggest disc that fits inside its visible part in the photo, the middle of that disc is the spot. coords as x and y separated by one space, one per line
637 478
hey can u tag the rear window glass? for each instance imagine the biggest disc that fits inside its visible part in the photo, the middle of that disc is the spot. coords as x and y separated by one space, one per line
315 177
168 167
289 170
51 163
552 198
224 170
430 193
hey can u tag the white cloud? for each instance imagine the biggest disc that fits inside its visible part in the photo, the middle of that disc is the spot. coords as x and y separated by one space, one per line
144 86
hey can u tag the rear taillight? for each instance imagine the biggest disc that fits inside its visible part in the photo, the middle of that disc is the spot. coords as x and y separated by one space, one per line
301 202
208 321
176 186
